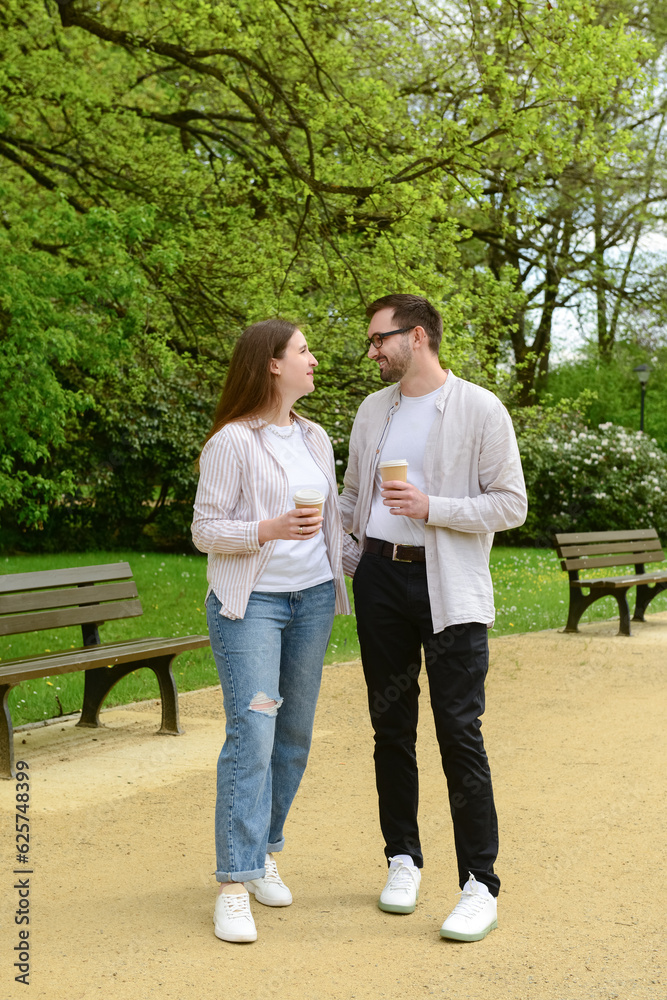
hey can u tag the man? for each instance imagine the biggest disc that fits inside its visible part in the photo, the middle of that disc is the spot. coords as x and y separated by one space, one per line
424 581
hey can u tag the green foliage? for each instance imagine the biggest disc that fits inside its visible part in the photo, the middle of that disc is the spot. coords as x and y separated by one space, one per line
126 471
614 388
173 172
65 326
575 222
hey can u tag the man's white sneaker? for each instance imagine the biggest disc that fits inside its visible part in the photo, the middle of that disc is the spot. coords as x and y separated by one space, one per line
270 889
401 892
232 918
474 915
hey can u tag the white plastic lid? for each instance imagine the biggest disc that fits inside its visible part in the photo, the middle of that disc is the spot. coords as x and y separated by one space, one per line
308 497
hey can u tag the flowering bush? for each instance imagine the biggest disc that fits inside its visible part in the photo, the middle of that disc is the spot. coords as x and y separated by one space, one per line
582 479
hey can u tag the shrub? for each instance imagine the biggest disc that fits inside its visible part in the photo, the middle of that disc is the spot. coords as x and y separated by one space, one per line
124 475
582 479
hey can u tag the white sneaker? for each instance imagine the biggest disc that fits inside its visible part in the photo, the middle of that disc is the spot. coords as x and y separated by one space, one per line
401 892
474 915
232 918
270 889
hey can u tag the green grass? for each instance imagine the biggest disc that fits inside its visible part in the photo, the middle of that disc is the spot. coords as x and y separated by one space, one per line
530 590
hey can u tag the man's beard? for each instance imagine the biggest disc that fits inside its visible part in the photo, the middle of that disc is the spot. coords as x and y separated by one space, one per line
394 370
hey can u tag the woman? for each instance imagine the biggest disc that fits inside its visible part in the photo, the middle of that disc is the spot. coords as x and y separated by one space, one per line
275 580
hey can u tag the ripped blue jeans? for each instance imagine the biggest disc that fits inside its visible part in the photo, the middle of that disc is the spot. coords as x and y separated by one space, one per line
270 668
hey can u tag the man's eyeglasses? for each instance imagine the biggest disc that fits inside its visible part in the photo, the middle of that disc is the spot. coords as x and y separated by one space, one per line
377 338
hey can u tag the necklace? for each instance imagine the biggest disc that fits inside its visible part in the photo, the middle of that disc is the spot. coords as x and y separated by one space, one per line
280 432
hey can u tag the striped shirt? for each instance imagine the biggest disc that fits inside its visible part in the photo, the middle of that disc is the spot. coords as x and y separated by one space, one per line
241 483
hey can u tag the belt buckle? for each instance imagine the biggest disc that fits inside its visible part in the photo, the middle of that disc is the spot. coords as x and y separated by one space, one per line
397 546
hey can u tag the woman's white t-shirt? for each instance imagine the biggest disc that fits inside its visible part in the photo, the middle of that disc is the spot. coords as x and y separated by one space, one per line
300 564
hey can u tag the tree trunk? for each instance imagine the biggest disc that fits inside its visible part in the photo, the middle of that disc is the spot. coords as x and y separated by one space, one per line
542 342
605 337
525 362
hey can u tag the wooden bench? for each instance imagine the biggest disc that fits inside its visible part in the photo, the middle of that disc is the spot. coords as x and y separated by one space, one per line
582 551
85 596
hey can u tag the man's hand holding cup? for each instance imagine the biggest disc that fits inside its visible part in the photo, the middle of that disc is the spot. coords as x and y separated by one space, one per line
400 495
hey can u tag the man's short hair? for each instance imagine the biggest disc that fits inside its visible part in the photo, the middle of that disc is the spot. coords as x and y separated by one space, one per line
412 310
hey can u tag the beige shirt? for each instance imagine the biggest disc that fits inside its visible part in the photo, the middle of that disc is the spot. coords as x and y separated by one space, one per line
241 483
475 486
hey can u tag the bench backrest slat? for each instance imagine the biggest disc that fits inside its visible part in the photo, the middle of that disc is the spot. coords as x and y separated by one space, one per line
14 582
43 600
31 602
575 537
650 548
597 549
599 562
35 621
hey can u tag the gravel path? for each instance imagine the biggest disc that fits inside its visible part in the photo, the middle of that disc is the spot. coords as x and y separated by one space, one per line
121 847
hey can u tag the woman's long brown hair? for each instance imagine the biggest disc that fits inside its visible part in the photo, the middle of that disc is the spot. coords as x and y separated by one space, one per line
250 387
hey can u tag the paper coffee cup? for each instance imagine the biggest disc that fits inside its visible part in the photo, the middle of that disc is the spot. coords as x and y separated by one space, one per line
309 498
394 468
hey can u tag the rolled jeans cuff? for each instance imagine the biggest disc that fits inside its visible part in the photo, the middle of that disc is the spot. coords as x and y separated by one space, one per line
239 876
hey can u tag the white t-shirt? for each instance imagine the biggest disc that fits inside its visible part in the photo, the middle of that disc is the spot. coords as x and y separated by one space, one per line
406 438
300 564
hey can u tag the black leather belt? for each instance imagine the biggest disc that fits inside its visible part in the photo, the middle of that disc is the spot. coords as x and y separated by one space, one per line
395 550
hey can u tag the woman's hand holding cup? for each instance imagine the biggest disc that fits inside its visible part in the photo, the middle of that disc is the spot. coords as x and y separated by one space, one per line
297 524
301 522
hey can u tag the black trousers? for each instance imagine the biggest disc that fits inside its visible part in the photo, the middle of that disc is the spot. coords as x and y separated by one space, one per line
394 621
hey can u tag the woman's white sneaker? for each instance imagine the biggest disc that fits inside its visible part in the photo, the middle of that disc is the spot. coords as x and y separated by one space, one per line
401 891
232 918
474 915
270 889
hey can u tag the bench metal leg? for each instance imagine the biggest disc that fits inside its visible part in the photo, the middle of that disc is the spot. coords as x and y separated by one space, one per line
624 612
169 694
6 735
579 602
645 594
100 680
